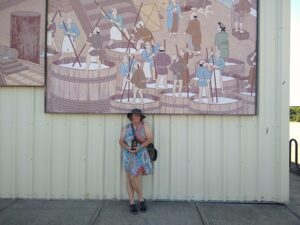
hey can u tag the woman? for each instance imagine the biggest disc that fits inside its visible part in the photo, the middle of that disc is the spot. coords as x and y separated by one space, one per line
136 160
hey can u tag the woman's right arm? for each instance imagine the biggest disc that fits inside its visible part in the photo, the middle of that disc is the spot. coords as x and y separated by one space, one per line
122 140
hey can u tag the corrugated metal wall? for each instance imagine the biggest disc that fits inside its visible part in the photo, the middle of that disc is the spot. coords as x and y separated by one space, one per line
201 157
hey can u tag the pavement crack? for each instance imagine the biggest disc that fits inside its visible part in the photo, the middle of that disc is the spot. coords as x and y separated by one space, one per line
6 207
294 213
201 215
97 216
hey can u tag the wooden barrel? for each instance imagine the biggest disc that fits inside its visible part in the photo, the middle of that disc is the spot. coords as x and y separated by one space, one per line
248 103
227 105
230 84
174 105
233 66
78 86
120 83
25 34
117 50
152 90
151 104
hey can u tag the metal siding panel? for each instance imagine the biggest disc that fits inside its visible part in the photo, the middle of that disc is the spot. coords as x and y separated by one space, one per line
214 158
232 158
95 152
178 156
60 148
162 165
42 148
24 139
249 156
283 106
161 132
77 157
7 144
196 158
268 94
112 157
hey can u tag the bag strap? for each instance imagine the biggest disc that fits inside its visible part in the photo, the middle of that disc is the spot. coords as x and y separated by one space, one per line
134 131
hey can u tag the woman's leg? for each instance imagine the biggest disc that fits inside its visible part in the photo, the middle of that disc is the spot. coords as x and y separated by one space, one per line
129 188
137 187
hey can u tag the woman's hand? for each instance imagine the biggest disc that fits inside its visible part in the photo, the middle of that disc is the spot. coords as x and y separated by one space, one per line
135 149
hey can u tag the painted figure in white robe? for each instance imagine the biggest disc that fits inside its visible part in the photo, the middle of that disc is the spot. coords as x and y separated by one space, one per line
117 26
71 32
219 65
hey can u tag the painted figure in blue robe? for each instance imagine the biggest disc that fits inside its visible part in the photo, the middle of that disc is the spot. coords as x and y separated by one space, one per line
204 76
148 54
118 28
71 32
124 70
173 14
218 63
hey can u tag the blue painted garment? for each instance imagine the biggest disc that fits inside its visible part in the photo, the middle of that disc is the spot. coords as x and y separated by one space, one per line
219 62
170 8
72 29
118 19
203 74
124 68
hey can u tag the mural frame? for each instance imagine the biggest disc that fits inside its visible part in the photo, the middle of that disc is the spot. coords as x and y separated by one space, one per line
155 108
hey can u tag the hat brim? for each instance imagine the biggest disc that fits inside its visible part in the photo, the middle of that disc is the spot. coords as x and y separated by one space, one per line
129 116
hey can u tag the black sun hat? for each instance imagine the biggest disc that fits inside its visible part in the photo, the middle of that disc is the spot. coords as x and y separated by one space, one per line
136 111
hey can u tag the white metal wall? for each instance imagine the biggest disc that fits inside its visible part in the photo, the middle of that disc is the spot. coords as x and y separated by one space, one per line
201 157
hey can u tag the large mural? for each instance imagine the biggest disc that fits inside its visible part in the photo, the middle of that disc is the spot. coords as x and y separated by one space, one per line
163 56
22 42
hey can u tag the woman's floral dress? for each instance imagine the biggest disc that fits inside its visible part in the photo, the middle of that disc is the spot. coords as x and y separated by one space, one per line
138 163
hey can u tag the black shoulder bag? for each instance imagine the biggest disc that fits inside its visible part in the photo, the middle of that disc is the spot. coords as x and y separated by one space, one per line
150 148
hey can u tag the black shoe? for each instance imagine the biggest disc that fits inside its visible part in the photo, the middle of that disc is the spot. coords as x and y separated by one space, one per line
143 206
133 209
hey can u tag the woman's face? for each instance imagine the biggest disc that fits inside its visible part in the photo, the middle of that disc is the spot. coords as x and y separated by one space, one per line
136 118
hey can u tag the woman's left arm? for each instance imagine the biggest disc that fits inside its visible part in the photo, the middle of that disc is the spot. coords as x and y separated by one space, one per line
149 136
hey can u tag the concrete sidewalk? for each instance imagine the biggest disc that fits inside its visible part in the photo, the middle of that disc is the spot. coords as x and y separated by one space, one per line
92 212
